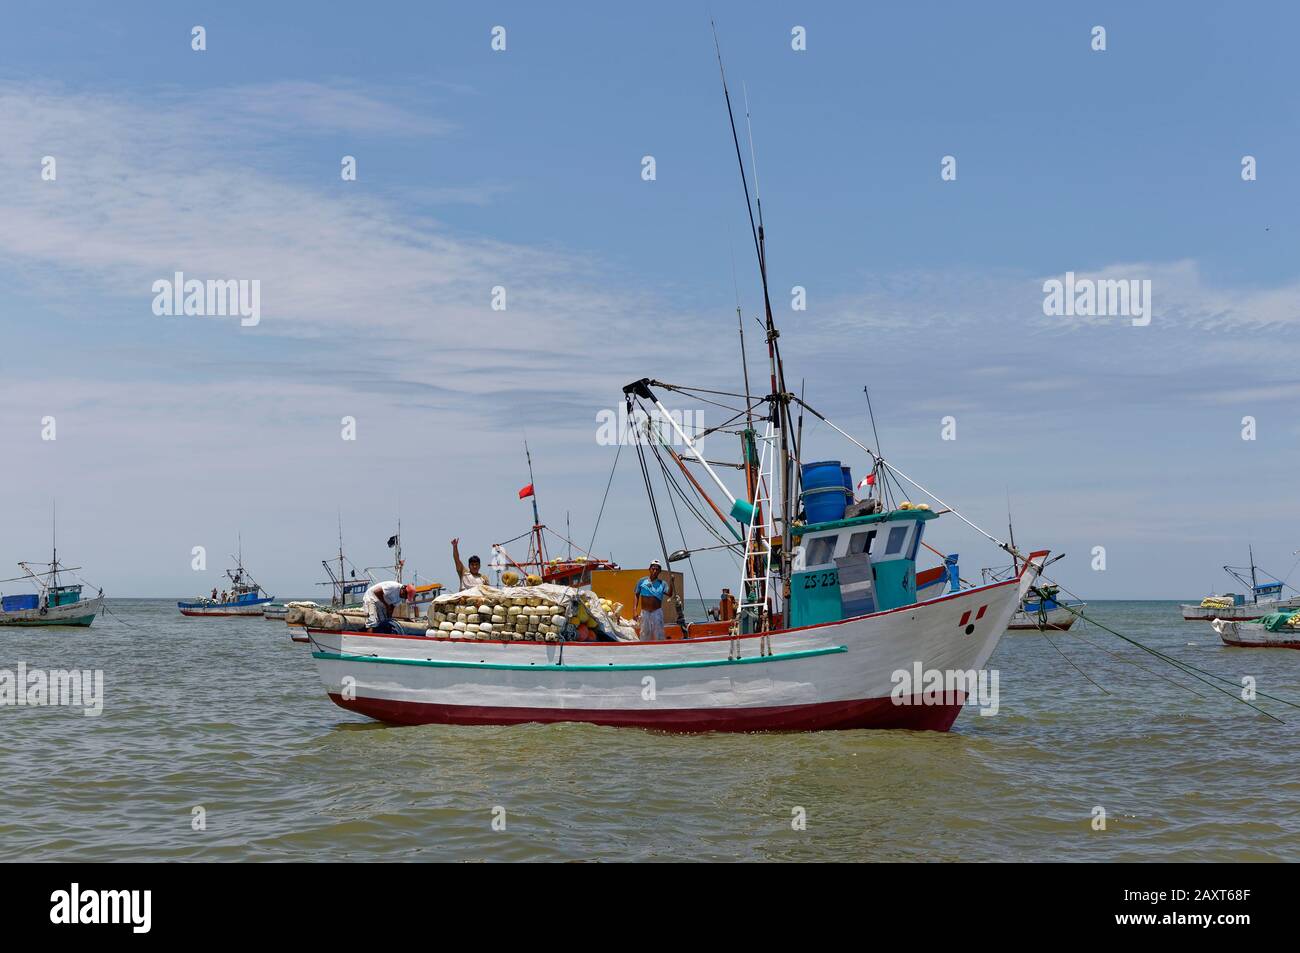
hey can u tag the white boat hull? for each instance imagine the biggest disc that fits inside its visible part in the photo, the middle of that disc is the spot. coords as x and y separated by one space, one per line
828 676
228 609
1255 635
75 614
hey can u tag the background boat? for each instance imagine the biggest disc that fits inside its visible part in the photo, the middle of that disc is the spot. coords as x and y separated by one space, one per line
1264 597
1279 630
54 602
245 596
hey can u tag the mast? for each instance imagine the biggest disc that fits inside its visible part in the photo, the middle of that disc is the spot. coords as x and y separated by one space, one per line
1011 535
779 402
537 520
397 551
1254 593
54 545
341 597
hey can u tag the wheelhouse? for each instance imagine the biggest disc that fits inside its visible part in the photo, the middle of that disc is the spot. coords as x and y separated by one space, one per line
855 566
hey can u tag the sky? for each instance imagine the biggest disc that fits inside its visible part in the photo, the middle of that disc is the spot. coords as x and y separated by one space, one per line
523 169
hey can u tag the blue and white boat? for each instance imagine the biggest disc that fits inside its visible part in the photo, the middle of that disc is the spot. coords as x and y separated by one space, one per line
244 597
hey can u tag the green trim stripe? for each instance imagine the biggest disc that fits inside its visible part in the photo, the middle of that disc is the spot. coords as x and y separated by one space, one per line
649 666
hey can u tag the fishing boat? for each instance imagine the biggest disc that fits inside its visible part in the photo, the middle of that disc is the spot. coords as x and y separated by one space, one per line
828 632
1044 611
1264 597
348 587
55 602
1277 630
245 597
275 612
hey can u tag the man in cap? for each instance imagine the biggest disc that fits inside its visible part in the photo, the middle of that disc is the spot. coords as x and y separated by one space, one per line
380 601
649 602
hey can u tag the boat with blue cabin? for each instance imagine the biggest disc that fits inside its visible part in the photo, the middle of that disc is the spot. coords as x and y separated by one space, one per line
54 602
1264 598
245 597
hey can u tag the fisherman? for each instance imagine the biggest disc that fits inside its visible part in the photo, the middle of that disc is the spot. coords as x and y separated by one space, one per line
223 595
471 577
214 593
380 601
649 602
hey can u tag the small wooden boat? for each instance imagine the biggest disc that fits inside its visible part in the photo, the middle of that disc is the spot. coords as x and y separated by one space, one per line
245 597
1278 630
275 612
1265 598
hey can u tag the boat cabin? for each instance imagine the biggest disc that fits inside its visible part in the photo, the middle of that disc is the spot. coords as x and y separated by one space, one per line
1268 592
63 595
855 566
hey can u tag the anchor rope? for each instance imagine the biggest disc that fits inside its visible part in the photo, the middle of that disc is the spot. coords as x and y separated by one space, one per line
1187 667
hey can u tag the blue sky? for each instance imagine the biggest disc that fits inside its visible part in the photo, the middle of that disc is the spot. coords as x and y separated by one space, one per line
522 169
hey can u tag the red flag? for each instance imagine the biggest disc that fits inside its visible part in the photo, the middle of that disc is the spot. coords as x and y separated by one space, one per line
868 480
526 492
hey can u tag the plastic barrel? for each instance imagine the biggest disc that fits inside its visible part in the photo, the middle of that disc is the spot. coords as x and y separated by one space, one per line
848 481
824 493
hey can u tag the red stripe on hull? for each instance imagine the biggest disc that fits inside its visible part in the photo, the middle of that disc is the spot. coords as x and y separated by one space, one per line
823 716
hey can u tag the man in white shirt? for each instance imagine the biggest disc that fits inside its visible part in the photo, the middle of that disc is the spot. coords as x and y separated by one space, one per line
380 601
469 577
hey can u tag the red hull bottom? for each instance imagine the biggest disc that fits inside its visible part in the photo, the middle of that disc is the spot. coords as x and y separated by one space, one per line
1054 627
824 716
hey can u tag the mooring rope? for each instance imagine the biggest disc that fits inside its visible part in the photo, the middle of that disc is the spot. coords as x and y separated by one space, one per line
1185 667
1071 661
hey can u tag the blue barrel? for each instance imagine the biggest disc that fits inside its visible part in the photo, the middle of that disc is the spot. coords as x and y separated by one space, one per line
19 603
824 493
848 482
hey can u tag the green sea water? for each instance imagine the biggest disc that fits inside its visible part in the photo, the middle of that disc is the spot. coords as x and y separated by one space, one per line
228 717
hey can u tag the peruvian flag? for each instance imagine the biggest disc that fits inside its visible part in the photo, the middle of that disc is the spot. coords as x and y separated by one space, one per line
868 480
526 492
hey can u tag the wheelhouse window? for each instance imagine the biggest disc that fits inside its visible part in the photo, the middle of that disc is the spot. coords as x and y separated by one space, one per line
860 543
916 542
820 550
897 536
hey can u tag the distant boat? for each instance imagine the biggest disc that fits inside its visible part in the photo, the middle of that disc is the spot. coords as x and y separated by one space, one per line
1264 598
275 611
1277 630
1042 610
53 603
245 597
347 588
